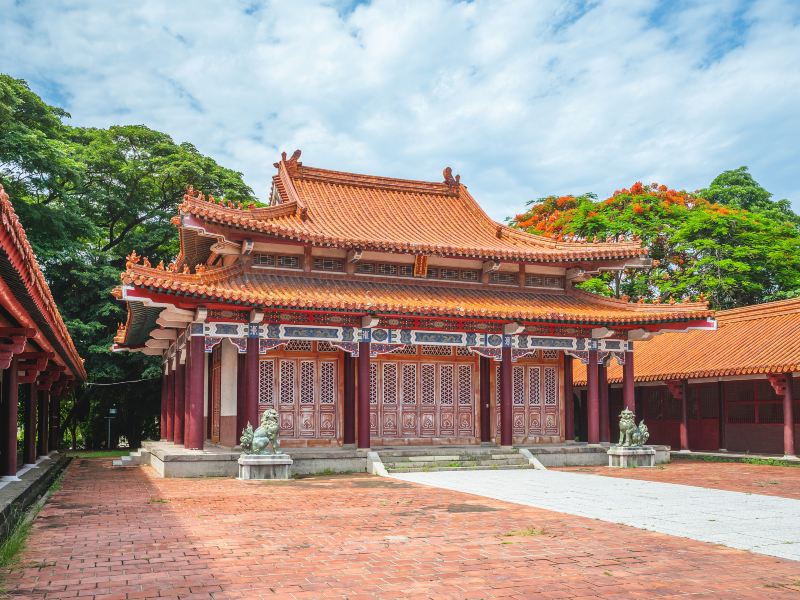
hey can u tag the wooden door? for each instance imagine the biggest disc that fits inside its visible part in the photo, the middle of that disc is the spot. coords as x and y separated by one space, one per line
534 399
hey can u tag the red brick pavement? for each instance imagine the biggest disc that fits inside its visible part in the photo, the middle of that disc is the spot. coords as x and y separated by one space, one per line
125 533
736 477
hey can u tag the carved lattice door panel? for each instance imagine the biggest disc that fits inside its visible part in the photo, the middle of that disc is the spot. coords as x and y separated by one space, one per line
534 400
216 392
410 399
304 393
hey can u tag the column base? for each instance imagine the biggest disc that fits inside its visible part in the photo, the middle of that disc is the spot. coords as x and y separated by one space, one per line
8 478
684 451
30 465
790 457
42 458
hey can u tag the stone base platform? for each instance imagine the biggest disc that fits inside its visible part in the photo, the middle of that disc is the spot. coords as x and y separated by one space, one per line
173 460
626 458
581 454
264 466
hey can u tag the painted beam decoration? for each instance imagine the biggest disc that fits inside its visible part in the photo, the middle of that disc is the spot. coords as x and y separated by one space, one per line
384 340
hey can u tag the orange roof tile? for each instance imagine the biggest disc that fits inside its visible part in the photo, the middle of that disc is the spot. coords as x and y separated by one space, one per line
750 340
15 246
379 213
273 290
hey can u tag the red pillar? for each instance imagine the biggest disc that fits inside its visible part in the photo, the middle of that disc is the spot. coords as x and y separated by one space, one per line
593 398
628 389
506 437
10 403
684 425
44 406
195 437
241 393
349 400
170 418
788 418
363 395
30 426
180 409
187 391
602 385
723 415
162 422
569 400
485 391
251 382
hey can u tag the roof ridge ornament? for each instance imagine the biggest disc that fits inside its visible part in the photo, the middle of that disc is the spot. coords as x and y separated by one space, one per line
453 183
292 163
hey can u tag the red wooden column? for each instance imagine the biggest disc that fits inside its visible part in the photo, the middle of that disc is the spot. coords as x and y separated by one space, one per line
162 421
506 431
180 399
593 398
241 393
602 388
196 429
29 442
251 382
349 400
10 393
723 416
628 385
569 400
187 391
484 398
363 394
170 417
788 418
684 427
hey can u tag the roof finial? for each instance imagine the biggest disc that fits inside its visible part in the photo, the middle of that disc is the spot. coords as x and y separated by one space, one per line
292 162
450 181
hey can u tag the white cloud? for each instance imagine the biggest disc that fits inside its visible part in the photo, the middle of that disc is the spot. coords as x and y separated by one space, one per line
522 98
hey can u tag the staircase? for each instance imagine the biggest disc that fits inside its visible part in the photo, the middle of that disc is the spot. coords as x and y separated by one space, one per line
137 457
454 458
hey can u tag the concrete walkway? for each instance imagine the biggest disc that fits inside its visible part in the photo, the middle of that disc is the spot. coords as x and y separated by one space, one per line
763 524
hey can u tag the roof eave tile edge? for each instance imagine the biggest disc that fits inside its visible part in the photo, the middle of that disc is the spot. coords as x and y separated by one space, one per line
25 262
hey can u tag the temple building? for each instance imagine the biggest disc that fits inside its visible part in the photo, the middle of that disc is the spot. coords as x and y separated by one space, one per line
377 311
735 388
36 350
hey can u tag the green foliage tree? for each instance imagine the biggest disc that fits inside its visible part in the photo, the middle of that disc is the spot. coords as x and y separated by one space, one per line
87 197
720 250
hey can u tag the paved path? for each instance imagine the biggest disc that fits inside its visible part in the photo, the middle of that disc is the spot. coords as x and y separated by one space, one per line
763 524
125 534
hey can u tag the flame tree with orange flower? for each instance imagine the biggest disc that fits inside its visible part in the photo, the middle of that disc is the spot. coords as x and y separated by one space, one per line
730 243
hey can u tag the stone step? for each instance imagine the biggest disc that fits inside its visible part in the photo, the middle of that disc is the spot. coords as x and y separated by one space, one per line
447 455
411 460
416 469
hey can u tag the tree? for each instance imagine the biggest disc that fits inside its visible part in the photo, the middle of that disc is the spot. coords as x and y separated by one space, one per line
731 255
87 197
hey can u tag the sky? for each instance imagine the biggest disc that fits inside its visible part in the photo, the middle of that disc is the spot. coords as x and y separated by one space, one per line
523 98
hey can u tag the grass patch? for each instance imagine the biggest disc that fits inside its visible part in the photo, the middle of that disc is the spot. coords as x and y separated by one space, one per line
98 453
528 532
158 501
770 462
12 546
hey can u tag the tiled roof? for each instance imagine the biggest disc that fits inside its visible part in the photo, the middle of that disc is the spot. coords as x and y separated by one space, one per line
274 290
750 340
331 208
39 299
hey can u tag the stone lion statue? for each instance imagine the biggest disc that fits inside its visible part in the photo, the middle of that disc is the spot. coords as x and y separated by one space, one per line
259 441
629 433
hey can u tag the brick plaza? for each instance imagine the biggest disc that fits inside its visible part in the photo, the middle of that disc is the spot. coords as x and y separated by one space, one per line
125 533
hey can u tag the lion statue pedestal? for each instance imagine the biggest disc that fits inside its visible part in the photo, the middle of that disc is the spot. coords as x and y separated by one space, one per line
631 451
260 457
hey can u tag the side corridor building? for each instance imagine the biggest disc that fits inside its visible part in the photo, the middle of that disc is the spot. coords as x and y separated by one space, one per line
735 388
378 311
35 350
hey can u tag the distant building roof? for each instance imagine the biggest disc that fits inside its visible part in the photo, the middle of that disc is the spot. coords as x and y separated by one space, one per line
758 339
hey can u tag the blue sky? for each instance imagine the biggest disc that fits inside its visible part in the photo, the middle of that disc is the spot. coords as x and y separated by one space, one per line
523 99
